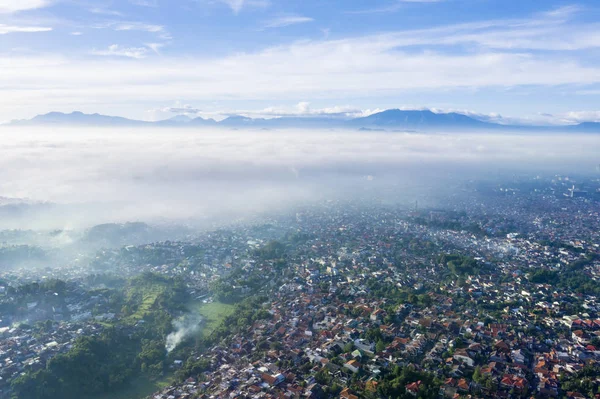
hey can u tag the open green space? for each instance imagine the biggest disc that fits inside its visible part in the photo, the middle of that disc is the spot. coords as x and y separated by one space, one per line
213 313
149 294
139 388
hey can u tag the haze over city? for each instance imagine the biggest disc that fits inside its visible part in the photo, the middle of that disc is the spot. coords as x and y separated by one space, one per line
267 199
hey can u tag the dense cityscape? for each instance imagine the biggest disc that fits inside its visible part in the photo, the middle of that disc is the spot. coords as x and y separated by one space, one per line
492 294
299 199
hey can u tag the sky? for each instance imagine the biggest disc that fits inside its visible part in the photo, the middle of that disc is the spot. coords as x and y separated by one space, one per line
535 61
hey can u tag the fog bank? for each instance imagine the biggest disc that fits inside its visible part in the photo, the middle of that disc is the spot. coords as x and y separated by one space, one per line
111 175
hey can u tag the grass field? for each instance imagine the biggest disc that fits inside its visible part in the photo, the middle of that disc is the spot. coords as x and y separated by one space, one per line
213 314
150 295
139 388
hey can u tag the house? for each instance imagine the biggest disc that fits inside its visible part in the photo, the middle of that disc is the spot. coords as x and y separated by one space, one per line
377 315
346 394
353 366
463 385
314 391
413 388
462 356
518 356
273 380
512 381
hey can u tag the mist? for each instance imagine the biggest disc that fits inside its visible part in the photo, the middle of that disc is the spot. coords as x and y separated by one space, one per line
184 327
78 177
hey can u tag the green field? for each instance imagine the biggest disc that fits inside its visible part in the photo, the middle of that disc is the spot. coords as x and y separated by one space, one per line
150 295
139 388
213 313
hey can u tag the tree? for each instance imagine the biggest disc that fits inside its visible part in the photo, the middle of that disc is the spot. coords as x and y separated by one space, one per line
349 347
477 375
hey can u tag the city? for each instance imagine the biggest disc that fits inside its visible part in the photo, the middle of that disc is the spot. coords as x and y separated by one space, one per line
495 295
299 199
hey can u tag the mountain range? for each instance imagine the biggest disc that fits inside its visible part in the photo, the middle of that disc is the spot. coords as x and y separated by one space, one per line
393 119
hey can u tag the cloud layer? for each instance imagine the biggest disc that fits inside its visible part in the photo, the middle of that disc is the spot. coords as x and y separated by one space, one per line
10 6
547 49
164 174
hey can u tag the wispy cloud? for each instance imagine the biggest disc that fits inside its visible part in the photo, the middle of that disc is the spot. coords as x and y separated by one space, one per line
104 11
538 119
116 50
237 5
145 3
155 47
390 7
563 12
6 29
139 26
180 109
577 117
302 109
125 26
287 20
544 50
10 6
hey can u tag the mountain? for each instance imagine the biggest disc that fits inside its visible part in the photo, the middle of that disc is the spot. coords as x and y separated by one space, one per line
419 120
286 122
79 119
202 122
586 127
390 120
242 121
183 120
179 119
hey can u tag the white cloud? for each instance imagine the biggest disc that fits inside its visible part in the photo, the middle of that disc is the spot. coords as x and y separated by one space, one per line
540 119
155 47
578 117
5 29
498 54
334 69
116 50
237 5
178 108
104 11
183 174
391 7
282 21
125 26
185 109
145 3
563 12
10 6
303 108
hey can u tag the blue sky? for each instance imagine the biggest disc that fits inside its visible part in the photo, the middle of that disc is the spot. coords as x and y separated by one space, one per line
528 61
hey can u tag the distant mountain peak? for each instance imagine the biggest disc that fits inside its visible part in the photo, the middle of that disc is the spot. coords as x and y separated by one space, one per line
419 120
391 119
180 119
78 118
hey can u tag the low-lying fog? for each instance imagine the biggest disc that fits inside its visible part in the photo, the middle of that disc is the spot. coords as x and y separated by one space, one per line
114 175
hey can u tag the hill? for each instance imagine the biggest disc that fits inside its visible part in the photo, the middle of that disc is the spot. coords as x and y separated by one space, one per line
392 119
